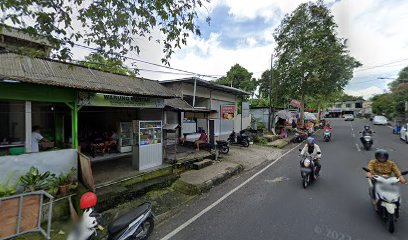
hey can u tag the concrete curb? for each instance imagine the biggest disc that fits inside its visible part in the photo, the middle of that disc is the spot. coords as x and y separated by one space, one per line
193 189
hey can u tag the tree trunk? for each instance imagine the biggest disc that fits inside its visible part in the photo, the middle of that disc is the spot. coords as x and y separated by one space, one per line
319 111
302 111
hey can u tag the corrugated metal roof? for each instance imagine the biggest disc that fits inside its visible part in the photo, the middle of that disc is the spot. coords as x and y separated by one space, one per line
208 84
49 72
179 104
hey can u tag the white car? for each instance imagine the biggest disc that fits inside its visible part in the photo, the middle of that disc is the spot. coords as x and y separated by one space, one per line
380 120
404 132
348 117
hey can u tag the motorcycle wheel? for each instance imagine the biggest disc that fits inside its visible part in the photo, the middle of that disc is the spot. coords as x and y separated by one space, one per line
390 223
224 149
245 143
146 230
305 181
367 146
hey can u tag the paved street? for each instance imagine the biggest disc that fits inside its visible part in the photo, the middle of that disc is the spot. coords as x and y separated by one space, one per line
273 205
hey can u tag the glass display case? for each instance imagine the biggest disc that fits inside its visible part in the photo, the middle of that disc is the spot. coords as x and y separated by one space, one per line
148 150
150 132
125 137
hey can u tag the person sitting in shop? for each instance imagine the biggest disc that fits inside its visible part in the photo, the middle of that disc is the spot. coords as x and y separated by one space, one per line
36 138
200 140
111 141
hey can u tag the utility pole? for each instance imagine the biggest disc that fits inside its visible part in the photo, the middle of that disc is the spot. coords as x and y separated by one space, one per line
270 118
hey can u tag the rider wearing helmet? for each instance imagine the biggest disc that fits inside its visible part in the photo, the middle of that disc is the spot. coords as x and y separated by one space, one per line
367 130
382 166
313 150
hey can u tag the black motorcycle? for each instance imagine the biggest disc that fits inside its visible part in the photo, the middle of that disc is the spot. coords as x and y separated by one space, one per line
242 138
223 146
307 170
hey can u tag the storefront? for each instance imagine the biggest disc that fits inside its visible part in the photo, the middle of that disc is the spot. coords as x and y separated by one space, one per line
119 126
28 111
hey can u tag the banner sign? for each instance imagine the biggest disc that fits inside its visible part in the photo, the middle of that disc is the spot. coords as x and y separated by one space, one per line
245 109
227 112
111 100
295 103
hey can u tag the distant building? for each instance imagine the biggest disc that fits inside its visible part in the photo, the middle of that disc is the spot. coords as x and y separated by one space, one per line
367 109
354 107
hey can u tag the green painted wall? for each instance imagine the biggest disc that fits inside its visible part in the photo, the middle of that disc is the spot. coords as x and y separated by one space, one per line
43 93
36 92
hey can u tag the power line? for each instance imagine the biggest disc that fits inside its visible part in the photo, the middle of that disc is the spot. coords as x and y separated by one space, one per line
381 65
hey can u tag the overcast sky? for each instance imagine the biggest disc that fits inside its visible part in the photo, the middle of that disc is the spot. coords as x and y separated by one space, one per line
241 32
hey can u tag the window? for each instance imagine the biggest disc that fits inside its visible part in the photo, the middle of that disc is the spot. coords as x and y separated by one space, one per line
338 105
12 126
359 105
348 105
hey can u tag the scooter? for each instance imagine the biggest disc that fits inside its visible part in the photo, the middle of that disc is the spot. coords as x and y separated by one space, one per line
242 139
223 146
135 224
307 170
367 141
327 135
387 198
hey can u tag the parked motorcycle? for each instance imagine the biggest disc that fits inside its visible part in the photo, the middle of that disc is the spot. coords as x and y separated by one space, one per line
138 223
387 198
299 136
367 141
307 170
223 146
327 135
241 139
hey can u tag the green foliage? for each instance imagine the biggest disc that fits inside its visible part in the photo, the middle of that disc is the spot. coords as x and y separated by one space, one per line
64 178
113 26
311 58
239 77
260 126
113 65
383 104
260 140
6 188
33 180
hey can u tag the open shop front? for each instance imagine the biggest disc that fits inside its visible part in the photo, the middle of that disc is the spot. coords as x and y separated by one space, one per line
36 129
120 134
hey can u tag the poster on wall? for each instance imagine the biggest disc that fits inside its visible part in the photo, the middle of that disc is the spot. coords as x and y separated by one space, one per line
112 100
245 109
227 112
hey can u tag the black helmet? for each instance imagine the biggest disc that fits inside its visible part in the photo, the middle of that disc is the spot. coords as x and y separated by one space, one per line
366 127
381 155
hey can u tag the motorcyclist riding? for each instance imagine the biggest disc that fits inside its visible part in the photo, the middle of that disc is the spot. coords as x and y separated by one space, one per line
367 131
382 166
328 127
313 150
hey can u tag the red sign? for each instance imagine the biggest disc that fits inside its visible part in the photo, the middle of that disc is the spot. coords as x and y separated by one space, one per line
295 103
227 112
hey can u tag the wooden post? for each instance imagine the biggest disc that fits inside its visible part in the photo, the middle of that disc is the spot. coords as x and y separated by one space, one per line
74 123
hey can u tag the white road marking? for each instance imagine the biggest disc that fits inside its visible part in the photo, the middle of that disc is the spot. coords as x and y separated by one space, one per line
205 210
358 147
354 135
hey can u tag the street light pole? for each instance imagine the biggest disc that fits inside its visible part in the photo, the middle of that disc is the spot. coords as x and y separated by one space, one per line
270 119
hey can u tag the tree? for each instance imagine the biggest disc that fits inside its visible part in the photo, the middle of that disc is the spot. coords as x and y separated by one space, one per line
113 65
111 25
239 77
383 104
311 59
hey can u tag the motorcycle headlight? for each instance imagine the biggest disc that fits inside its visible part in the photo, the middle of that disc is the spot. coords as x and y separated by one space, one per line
306 163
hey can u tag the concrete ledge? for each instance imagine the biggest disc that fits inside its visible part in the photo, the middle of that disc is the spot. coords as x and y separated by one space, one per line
199 181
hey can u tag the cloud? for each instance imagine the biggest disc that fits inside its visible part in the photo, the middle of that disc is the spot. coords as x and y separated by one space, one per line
366 93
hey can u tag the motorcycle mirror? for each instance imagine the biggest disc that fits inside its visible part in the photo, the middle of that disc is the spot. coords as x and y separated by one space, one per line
366 169
318 152
300 150
404 173
361 132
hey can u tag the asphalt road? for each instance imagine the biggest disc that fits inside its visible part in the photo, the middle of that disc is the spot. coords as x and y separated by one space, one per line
273 205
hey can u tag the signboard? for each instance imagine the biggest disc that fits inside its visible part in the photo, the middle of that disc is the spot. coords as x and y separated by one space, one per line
111 100
227 112
86 170
295 103
245 109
